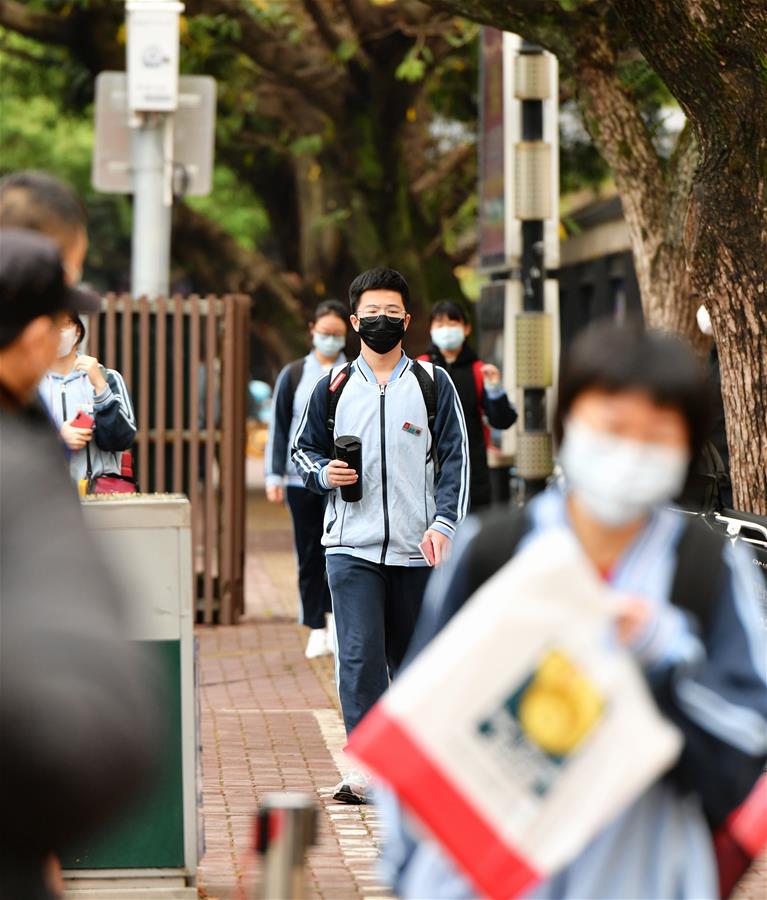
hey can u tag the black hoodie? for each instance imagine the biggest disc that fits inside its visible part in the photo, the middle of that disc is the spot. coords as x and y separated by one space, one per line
497 410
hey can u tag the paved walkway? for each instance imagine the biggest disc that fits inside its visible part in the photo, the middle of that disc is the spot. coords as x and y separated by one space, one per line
270 722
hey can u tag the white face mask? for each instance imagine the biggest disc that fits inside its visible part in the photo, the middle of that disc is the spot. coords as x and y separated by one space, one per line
329 345
67 341
448 337
619 480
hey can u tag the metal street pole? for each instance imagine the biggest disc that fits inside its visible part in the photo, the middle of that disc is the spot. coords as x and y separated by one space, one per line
519 241
152 51
286 828
150 260
534 417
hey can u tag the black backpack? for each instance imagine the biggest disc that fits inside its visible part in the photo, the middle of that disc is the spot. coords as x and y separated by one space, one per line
295 371
428 384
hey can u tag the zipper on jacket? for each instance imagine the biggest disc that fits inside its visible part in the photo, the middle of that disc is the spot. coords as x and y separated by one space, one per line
334 515
63 402
384 491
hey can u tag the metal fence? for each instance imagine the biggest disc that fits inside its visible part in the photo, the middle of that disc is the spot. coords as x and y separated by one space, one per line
185 362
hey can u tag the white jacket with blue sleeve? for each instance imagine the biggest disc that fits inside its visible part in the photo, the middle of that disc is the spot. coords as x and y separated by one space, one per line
406 487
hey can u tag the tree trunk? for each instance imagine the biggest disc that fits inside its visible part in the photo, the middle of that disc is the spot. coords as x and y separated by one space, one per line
711 56
741 341
654 196
728 251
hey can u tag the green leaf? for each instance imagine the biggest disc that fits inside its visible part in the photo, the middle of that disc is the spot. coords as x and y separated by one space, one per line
346 50
412 68
307 145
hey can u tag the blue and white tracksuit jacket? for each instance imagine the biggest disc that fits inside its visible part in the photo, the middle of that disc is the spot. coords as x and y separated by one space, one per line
715 691
279 467
403 492
115 427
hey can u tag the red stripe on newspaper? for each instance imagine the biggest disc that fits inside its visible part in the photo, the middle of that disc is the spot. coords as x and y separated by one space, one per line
337 381
383 745
748 824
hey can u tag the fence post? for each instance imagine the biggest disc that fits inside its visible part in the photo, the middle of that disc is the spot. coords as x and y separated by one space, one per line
228 462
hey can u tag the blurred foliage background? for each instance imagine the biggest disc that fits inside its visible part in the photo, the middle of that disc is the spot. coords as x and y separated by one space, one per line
346 138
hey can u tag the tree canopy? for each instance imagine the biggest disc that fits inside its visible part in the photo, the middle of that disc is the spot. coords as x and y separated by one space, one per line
345 139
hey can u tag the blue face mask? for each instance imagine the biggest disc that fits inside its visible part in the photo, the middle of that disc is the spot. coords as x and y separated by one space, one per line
448 337
329 345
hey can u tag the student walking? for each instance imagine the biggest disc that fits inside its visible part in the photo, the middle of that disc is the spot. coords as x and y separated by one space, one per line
283 483
483 398
415 490
632 415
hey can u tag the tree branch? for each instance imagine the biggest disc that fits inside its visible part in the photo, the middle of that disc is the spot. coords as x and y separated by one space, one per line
614 121
447 164
321 83
718 42
680 175
42 26
323 26
363 16
544 22
225 266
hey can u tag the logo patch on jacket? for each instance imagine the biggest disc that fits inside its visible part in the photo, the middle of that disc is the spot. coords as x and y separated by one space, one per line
412 429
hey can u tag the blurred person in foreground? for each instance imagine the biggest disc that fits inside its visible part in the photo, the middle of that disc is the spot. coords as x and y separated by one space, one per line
41 202
632 415
483 398
77 707
283 483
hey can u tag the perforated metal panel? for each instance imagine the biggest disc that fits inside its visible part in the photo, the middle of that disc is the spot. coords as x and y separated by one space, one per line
532 76
534 454
534 350
532 180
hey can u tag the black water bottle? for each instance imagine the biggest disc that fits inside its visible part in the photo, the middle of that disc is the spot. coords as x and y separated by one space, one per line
349 449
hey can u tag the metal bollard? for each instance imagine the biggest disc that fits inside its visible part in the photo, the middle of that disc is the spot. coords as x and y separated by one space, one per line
286 825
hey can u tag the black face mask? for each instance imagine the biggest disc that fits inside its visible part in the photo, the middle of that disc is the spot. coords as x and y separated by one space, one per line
381 333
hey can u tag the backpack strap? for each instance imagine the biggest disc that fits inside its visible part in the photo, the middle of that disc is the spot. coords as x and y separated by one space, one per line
339 378
496 542
700 570
479 380
295 371
427 381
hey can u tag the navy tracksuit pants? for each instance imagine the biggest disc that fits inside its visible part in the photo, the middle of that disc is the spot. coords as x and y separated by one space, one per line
375 608
308 512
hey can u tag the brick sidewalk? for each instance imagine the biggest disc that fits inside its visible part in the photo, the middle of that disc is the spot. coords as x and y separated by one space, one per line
270 722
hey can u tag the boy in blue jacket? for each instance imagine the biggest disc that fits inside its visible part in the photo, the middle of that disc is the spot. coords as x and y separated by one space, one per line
415 490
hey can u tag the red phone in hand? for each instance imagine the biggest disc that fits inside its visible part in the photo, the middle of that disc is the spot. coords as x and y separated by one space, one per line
83 420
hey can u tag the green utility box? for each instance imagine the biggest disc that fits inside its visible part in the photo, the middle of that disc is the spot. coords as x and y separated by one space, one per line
152 852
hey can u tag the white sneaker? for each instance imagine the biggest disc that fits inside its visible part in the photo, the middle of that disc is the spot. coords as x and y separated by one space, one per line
317 645
354 787
330 637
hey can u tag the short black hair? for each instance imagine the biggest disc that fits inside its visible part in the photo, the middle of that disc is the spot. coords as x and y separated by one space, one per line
80 326
41 202
330 308
450 309
379 279
616 358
